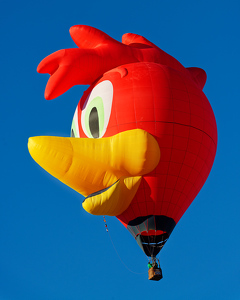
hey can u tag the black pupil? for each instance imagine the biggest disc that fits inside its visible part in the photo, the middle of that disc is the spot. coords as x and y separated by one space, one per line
94 123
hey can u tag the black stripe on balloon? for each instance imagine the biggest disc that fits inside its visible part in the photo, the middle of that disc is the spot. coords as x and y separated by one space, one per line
151 244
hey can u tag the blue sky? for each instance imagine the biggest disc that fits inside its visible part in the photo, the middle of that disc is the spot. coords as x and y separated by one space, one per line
50 248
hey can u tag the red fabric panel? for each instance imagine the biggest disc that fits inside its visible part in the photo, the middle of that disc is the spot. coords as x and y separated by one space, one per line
177 113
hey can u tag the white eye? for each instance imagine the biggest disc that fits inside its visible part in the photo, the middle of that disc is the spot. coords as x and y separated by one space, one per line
97 110
75 128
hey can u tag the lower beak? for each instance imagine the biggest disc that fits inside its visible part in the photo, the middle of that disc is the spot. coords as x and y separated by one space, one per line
106 171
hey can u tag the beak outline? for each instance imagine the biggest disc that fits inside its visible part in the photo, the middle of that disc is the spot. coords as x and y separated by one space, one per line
114 165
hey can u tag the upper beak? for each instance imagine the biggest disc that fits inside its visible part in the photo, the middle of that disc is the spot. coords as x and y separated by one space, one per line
107 171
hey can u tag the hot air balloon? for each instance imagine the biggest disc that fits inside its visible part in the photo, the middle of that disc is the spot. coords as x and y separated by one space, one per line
143 137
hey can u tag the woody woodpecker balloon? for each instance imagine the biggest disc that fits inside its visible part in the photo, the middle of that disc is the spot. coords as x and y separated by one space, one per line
143 137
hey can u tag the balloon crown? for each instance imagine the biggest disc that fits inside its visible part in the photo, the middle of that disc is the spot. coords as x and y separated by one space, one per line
98 53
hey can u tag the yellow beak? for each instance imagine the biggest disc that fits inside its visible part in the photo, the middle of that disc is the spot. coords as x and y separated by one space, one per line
106 171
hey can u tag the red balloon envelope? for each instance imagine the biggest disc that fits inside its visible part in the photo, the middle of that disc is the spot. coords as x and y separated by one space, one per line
135 88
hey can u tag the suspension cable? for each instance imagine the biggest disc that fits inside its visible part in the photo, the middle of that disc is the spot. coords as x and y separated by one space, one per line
117 251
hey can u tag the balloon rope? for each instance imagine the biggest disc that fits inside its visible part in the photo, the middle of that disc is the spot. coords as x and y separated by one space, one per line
117 251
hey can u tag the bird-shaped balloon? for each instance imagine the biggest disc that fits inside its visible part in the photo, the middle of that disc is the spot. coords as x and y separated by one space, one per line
143 138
